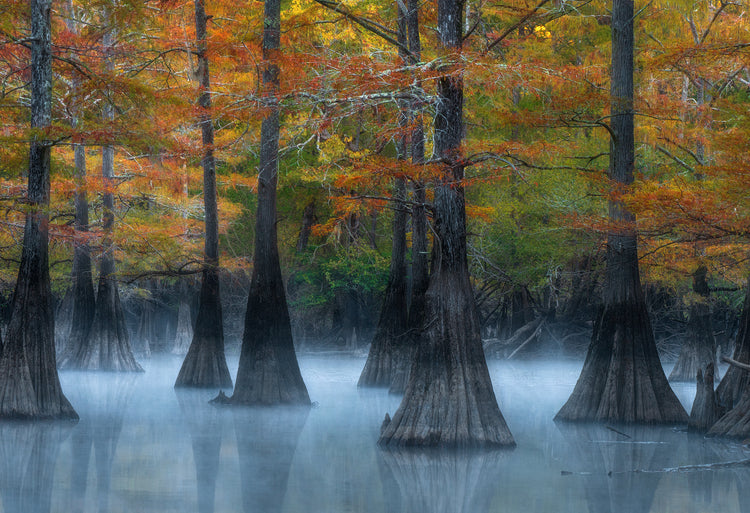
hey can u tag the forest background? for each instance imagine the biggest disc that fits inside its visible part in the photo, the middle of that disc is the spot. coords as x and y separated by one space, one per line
536 141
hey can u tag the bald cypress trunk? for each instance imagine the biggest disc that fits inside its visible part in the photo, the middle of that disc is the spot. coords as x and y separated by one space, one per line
449 400
268 370
205 364
419 248
388 343
736 380
107 344
699 347
29 384
622 378
82 291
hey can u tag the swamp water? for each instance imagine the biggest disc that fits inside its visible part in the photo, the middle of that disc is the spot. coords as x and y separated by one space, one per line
143 447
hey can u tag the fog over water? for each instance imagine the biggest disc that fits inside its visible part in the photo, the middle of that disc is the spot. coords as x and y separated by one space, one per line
141 446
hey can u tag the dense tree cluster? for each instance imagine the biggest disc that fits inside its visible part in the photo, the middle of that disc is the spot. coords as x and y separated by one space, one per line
489 177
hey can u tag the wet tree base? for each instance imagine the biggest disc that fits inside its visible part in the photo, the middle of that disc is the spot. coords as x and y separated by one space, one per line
622 380
449 400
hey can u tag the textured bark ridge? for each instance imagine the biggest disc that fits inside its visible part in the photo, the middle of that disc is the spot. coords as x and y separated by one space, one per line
29 384
205 364
449 399
736 423
736 380
622 378
706 410
268 371
699 348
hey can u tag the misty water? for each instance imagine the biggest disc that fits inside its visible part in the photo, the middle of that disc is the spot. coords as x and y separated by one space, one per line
141 446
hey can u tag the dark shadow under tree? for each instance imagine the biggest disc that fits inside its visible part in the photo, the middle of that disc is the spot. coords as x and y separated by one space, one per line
449 400
622 378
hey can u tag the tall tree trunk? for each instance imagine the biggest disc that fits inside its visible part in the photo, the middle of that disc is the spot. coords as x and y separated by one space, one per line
390 334
419 250
699 348
308 220
107 346
622 379
29 384
205 364
268 370
449 400
84 302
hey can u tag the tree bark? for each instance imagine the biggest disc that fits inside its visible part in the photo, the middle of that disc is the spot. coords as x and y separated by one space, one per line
308 220
699 348
419 247
449 400
268 370
706 410
389 340
84 302
622 378
205 364
107 346
29 384
736 381
184 332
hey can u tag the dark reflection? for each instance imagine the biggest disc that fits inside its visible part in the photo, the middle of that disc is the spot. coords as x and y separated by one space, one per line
702 484
28 455
619 468
438 481
742 480
205 422
102 399
266 443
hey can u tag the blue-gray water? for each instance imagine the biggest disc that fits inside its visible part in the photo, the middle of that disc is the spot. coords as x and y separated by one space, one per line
142 447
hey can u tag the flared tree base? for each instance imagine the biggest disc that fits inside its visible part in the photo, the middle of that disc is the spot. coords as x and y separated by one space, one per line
268 371
449 400
204 367
699 348
107 345
622 378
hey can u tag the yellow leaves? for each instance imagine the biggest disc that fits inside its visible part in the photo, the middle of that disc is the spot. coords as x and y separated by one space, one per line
542 32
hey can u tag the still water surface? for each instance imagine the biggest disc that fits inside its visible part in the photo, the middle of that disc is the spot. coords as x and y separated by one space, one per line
142 447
